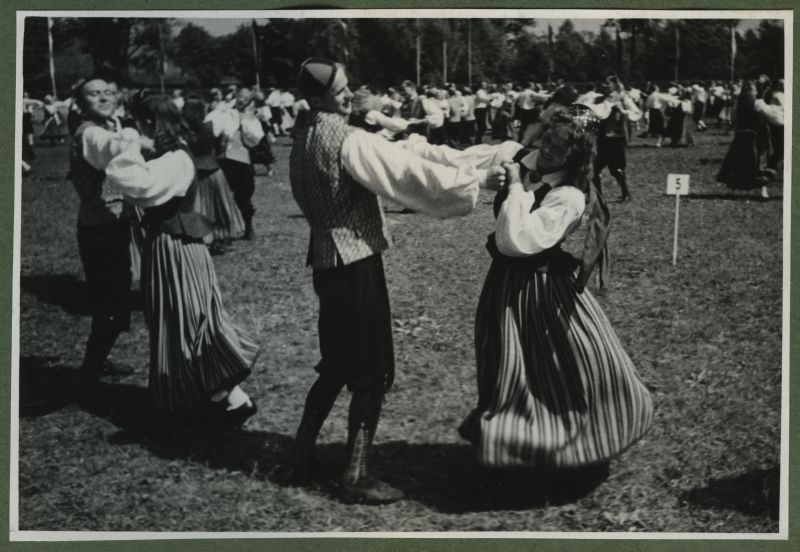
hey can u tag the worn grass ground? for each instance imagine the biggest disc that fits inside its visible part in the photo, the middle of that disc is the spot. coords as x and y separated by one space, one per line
705 335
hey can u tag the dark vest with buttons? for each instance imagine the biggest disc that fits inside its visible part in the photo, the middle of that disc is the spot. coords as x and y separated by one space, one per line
177 216
346 219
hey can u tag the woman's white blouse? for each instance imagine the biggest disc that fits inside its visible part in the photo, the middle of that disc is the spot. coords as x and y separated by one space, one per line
150 183
521 233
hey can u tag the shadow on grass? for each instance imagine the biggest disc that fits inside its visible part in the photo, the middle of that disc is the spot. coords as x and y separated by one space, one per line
443 476
67 292
754 493
45 385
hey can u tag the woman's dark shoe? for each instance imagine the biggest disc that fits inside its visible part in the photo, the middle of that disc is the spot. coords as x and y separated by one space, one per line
235 417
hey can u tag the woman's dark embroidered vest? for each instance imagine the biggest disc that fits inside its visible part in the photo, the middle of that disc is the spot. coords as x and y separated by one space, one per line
177 216
203 149
553 260
592 250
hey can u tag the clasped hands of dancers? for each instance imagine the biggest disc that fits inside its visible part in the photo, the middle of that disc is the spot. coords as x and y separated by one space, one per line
555 387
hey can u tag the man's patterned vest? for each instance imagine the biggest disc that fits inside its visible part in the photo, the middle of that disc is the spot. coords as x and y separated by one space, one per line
99 203
346 219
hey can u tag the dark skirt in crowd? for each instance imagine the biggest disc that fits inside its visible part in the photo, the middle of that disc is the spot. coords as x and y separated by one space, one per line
656 124
699 112
679 129
555 386
502 125
745 164
53 129
215 200
776 137
27 123
262 152
195 349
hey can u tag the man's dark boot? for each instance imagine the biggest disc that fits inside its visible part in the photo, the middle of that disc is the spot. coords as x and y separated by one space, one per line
318 405
248 227
357 484
301 455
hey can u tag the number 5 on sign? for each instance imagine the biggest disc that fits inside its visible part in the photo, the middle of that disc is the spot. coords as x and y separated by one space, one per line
677 185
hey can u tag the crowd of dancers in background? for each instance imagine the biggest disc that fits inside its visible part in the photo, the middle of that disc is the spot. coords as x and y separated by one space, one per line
459 116
165 181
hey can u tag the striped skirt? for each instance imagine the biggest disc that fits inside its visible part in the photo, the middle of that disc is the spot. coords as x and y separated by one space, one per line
195 349
555 386
136 244
215 200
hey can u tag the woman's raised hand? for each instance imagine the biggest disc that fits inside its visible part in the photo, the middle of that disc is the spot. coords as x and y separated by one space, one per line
495 178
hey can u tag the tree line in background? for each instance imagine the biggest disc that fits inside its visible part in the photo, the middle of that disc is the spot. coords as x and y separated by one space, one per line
167 52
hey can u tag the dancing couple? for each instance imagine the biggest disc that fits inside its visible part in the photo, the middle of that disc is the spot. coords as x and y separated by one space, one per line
555 386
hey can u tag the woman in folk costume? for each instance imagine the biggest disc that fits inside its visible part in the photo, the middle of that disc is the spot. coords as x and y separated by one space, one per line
656 104
242 130
262 152
214 196
198 357
53 125
555 386
680 117
745 165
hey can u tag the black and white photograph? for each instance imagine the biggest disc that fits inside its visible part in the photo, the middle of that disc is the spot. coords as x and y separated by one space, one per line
476 272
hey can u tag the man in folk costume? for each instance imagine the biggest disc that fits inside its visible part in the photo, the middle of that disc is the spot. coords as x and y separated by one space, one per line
337 174
104 221
616 112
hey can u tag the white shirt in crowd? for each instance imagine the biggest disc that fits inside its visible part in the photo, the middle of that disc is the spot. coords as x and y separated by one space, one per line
287 99
274 99
433 112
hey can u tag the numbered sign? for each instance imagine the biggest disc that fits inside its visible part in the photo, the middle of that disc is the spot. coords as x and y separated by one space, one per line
677 184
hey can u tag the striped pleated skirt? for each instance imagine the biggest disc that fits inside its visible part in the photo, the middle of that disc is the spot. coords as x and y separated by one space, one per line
136 244
555 386
215 200
195 349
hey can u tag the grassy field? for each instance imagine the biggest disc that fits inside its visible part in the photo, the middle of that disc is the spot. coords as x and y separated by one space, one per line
705 336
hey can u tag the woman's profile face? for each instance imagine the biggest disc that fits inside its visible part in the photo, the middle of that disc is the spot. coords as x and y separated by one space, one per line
554 147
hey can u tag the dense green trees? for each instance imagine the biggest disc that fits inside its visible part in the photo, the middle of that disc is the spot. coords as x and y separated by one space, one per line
384 51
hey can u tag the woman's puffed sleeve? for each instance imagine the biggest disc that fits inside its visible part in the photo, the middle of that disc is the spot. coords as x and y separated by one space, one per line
151 183
521 233
100 146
